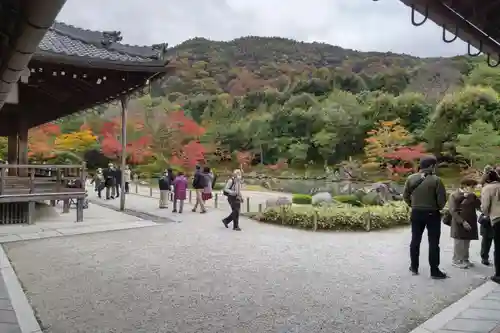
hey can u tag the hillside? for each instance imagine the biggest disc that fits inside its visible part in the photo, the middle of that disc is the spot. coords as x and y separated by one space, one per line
255 63
301 103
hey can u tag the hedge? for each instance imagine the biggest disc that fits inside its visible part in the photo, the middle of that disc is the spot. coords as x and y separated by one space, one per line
339 218
348 199
302 199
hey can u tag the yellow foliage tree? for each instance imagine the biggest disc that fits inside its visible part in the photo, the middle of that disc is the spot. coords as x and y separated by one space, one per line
384 140
76 142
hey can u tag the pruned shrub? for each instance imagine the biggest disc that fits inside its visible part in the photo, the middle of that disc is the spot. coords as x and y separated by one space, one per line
302 199
348 199
340 217
219 186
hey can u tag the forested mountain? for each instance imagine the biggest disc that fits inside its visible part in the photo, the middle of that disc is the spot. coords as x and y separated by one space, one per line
255 63
302 103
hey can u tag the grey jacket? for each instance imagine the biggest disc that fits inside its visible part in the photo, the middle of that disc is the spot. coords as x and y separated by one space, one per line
233 187
490 201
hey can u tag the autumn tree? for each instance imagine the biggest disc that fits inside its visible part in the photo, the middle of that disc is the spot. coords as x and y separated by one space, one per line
404 159
183 146
385 140
41 141
138 148
77 142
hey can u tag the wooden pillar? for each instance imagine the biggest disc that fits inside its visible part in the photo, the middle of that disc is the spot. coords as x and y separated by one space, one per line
23 149
31 212
79 210
66 205
12 151
124 103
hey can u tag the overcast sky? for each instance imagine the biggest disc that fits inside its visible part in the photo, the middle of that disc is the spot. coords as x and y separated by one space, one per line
357 24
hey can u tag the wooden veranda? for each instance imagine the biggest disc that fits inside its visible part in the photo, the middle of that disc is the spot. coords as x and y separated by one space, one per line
18 194
70 70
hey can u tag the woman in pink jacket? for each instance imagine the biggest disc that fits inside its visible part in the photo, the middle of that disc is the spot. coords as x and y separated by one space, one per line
180 189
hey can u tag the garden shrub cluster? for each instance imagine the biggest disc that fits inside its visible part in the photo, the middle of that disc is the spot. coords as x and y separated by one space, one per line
306 199
302 199
343 217
348 199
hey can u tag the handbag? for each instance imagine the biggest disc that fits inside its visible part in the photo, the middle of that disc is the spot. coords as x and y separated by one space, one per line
447 218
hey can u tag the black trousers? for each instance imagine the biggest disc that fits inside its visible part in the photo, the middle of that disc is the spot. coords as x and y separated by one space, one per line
234 217
421 220
496 241
127 187
117 189
486 242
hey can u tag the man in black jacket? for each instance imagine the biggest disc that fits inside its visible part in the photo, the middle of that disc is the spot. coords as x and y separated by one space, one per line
165 185
109 181
425 193
118 180
199 183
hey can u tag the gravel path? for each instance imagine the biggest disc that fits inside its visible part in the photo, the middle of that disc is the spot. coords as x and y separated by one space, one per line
197 276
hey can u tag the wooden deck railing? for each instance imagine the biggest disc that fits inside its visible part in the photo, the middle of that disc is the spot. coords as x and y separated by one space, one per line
41 179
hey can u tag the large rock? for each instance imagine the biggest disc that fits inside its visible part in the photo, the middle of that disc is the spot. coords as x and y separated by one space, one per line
321 198
277 202
383 191
373 198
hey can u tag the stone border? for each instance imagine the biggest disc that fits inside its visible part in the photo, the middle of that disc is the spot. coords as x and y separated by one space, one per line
451 312
25 316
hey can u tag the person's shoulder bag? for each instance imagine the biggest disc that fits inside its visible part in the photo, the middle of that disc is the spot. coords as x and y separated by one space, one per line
418 183
225 192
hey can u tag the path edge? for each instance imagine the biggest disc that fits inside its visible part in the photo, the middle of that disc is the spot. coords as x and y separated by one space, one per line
24 312
439 320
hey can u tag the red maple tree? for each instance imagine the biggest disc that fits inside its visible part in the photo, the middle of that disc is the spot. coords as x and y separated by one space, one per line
191 154
186 149
138 142
407 153
403 159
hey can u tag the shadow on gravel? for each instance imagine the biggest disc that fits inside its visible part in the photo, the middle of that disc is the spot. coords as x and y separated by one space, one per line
131 212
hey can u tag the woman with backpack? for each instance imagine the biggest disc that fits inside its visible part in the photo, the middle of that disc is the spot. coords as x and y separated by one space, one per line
233 192
463 204
209 180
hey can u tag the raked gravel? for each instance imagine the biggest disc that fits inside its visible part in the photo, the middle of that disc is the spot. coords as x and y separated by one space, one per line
197 276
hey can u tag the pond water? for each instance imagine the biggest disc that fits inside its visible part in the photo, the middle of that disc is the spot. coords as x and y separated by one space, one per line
311 186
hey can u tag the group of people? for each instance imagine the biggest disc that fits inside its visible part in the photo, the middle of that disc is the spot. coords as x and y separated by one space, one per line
111 180
174 187
425 193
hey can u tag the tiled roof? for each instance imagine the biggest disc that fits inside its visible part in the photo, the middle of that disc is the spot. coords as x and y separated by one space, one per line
68 40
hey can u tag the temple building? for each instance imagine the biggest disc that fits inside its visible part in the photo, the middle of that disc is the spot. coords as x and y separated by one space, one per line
50 70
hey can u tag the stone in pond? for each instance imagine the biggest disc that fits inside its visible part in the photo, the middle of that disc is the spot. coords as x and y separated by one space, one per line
321 198
277 202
